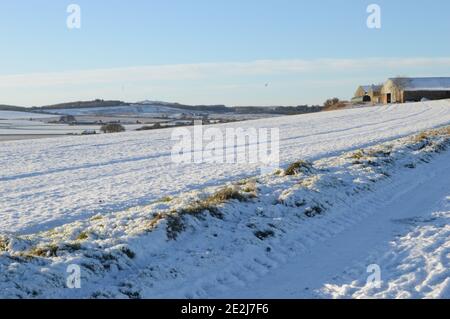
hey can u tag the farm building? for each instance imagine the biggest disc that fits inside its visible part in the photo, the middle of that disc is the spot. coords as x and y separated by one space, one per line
368 94
401 90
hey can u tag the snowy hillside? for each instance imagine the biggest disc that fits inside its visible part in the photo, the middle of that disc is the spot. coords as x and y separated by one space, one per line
365 188
13 115
135 110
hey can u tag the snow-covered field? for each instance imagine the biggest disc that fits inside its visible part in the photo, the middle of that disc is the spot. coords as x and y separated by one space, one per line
46 182
13 115
402 226
155 111
27 127
139 225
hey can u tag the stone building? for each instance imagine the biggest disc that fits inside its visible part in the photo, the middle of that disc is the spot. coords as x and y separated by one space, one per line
368 94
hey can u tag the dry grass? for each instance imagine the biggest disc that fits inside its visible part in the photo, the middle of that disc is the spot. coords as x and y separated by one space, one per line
175 219
4 243
337 106
47 251
299 167
156 218
421 137
166 199
444 131
212 202
378 153
359 154
82 236
225 194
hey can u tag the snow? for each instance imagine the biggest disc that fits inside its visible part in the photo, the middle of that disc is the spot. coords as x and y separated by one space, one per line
35 127
371 192
135 110
13 115
49 182
405 231
311 234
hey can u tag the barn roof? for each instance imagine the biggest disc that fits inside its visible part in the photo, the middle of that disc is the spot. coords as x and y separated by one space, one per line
370 88
423 84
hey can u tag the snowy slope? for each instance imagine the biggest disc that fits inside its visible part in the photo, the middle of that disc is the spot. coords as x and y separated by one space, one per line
404 228
13 115
135 110
310 231
50 182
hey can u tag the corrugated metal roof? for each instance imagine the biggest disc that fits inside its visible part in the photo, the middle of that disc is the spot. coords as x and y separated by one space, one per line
423 84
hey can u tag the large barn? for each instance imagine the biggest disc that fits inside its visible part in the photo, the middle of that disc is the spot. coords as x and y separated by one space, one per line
401 90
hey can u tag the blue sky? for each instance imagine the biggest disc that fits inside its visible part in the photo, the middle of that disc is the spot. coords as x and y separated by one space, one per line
245 52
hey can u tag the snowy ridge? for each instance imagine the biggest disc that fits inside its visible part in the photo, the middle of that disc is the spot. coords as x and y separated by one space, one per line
204 242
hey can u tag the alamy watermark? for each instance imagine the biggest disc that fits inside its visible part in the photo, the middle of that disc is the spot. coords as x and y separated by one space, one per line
374 18
74 18
73 280
374 279
229 145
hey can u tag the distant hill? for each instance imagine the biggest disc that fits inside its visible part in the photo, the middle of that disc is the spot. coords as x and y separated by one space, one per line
99 103
283 110
198 108
83 104
13 108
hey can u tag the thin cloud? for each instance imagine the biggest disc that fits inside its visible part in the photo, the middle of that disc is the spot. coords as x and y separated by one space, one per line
186 72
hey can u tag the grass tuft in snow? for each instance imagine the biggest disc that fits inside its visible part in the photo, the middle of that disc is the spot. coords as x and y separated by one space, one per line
210 204
46 251
82 236
4 243
358 155
165 199
299 167
97 217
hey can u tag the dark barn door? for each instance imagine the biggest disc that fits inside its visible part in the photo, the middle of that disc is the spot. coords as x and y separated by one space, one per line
389 98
